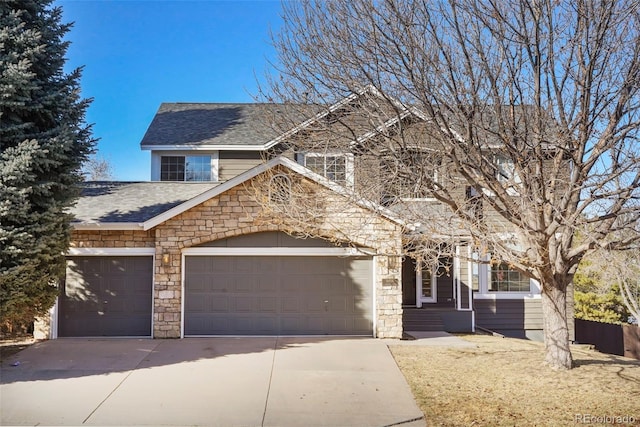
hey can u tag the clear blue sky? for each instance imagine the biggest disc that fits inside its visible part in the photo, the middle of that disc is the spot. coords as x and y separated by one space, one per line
138 54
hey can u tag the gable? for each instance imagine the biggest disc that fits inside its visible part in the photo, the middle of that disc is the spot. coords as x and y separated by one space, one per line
145 205
258 126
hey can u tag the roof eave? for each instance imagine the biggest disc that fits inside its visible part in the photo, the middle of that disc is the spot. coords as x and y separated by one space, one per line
199 147
84 226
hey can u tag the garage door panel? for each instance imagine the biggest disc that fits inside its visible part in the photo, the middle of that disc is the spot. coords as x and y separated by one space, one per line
268 305
338 285
340 305
201 266
290 304
276 295
219 304
266 284
196 303
106 296
245 304
313 306
200 282
246 284
340 324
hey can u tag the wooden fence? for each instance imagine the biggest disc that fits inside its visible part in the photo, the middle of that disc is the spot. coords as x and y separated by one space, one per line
623 340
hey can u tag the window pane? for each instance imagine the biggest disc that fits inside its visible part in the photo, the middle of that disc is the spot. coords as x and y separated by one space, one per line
189 168
335 167
316 164
427 288
198 168
505 279
331 167
172 168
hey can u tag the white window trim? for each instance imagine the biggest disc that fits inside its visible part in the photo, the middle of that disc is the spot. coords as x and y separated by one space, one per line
458 281
418 199
484 278
156 162
348 164
513 179
470 267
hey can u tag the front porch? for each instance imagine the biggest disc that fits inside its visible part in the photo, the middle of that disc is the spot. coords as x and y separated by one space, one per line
438 299
428 319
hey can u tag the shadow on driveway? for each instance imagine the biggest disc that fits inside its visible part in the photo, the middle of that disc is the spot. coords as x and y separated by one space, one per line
208 381
78 357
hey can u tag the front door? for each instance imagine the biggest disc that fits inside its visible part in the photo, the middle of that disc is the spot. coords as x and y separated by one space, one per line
426 289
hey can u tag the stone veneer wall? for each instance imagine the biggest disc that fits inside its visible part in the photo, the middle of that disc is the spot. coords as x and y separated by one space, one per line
113 239
235 213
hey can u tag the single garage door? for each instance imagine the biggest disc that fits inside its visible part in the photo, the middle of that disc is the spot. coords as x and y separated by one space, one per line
106 296
278 295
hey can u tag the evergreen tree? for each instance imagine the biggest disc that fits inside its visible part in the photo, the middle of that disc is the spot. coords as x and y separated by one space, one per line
43 142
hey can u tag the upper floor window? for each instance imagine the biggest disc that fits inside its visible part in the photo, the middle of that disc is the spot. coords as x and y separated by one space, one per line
335 167
506 279
474 203
507 174
412 174
185 168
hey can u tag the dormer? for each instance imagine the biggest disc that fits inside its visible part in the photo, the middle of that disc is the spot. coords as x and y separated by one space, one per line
206 141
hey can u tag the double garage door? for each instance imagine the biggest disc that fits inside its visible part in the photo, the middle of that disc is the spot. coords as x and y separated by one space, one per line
224 295
278 295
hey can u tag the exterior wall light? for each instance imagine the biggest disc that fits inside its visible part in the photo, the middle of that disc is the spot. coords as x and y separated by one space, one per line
165 258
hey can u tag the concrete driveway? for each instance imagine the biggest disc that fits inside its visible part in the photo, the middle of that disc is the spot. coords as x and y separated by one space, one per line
207 381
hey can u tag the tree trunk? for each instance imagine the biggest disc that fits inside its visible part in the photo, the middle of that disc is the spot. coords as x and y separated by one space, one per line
556 332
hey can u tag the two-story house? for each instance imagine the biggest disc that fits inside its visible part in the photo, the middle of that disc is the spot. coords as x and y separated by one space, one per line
211 245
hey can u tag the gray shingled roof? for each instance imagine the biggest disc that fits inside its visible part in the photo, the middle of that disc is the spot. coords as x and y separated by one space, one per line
210 124
134 202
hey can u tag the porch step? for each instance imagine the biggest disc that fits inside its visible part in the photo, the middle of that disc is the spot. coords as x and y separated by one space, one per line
415 319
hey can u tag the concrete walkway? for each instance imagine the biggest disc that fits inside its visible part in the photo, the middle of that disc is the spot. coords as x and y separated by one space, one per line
436 339
207 381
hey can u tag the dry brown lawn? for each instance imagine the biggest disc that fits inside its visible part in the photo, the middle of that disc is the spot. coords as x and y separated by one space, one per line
502 382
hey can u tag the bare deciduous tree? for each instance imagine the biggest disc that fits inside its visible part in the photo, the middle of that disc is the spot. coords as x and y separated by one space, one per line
623 268
516 122
97 168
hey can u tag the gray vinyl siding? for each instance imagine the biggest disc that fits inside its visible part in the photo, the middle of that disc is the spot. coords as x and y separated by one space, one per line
233 163
457 321
508 314
445 291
